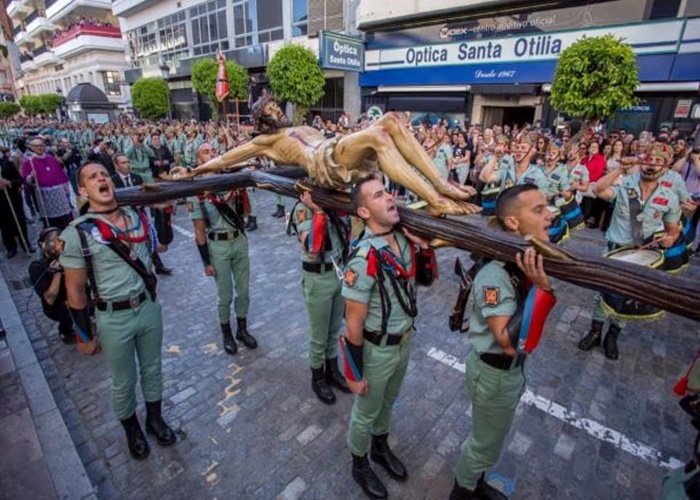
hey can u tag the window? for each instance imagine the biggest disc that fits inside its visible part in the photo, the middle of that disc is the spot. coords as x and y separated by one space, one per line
300 18
257 21
112 81
164 39
209 28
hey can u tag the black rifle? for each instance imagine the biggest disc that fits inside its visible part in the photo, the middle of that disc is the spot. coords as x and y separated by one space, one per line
466 279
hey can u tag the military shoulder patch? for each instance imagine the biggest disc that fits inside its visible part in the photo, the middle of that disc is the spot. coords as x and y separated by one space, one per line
301 215
190 207
350 277
492 295
59 245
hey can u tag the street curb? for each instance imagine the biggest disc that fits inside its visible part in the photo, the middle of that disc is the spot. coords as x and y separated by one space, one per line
65 467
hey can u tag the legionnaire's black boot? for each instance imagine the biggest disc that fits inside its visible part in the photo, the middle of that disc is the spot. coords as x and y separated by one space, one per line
243 335
593 337
382 454
334 377
156 425
485 490
159 266
610 343
366 478
229 344
138 446
252 223
461 493
320 387
279 213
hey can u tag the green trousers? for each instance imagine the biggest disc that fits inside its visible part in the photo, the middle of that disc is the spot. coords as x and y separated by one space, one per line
125 336
599 313
384 369
232 264
324 306
494 394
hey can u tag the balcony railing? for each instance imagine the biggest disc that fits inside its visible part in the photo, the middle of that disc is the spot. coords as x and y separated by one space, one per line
49 3
41 49
86 30
16 31
25 57
35 14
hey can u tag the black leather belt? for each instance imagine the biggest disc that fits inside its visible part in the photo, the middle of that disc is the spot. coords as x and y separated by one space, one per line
225 235
502 361
376 338
122 305
316 267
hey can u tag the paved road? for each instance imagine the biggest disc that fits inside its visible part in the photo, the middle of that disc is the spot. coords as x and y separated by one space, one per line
250 427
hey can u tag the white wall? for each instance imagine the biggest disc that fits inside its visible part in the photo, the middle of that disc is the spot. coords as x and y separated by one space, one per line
386 10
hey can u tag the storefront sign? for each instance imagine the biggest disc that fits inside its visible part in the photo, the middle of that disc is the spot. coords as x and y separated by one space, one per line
683 108
341 52
647 38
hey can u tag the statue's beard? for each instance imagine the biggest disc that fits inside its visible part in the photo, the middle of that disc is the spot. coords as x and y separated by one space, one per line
272 123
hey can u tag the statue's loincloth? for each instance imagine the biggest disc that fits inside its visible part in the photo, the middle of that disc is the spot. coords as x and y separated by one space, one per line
327 173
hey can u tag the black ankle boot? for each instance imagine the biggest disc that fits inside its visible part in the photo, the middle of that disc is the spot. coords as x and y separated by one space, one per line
593 337
486 491
320 387
610 343
243 335
159 266
382 454
138 446
279 213
334 377
252 223
229 344
156 425
461 493
363 474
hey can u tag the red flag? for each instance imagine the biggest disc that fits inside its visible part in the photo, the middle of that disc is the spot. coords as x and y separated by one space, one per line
221 79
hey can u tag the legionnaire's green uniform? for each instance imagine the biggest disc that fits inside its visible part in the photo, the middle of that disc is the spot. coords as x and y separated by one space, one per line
385 357
507 177
660 207
321 287
189 152
494 392
579 173
123 332
128 317
557 180
140 161
228 253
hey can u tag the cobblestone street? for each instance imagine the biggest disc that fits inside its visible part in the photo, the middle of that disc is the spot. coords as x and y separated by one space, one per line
251 428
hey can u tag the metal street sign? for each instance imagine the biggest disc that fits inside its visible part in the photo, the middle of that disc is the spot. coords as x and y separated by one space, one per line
343 52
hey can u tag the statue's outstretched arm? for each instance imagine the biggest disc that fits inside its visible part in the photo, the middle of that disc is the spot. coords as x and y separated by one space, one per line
228 160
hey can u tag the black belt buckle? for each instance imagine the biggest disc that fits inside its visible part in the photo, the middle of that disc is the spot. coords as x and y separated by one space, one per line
502 361
316 267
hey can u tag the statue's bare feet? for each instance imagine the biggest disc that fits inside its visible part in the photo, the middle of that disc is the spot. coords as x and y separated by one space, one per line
446 206
451 191
178 174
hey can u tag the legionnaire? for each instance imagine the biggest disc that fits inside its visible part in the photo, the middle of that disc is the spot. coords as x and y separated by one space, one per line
523 171
380 307
223 247
642 204
556 173
323 235
140 155
111 247
503 294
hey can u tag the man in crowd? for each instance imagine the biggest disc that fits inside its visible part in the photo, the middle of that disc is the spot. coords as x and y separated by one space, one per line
100 155
380 307
13 224
223 248
140 156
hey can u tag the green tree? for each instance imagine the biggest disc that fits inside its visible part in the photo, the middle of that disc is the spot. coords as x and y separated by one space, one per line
204 73
8 109
150 98
48 103
595 77
296 76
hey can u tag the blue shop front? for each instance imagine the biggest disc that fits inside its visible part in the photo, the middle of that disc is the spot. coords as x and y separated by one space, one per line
492 77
